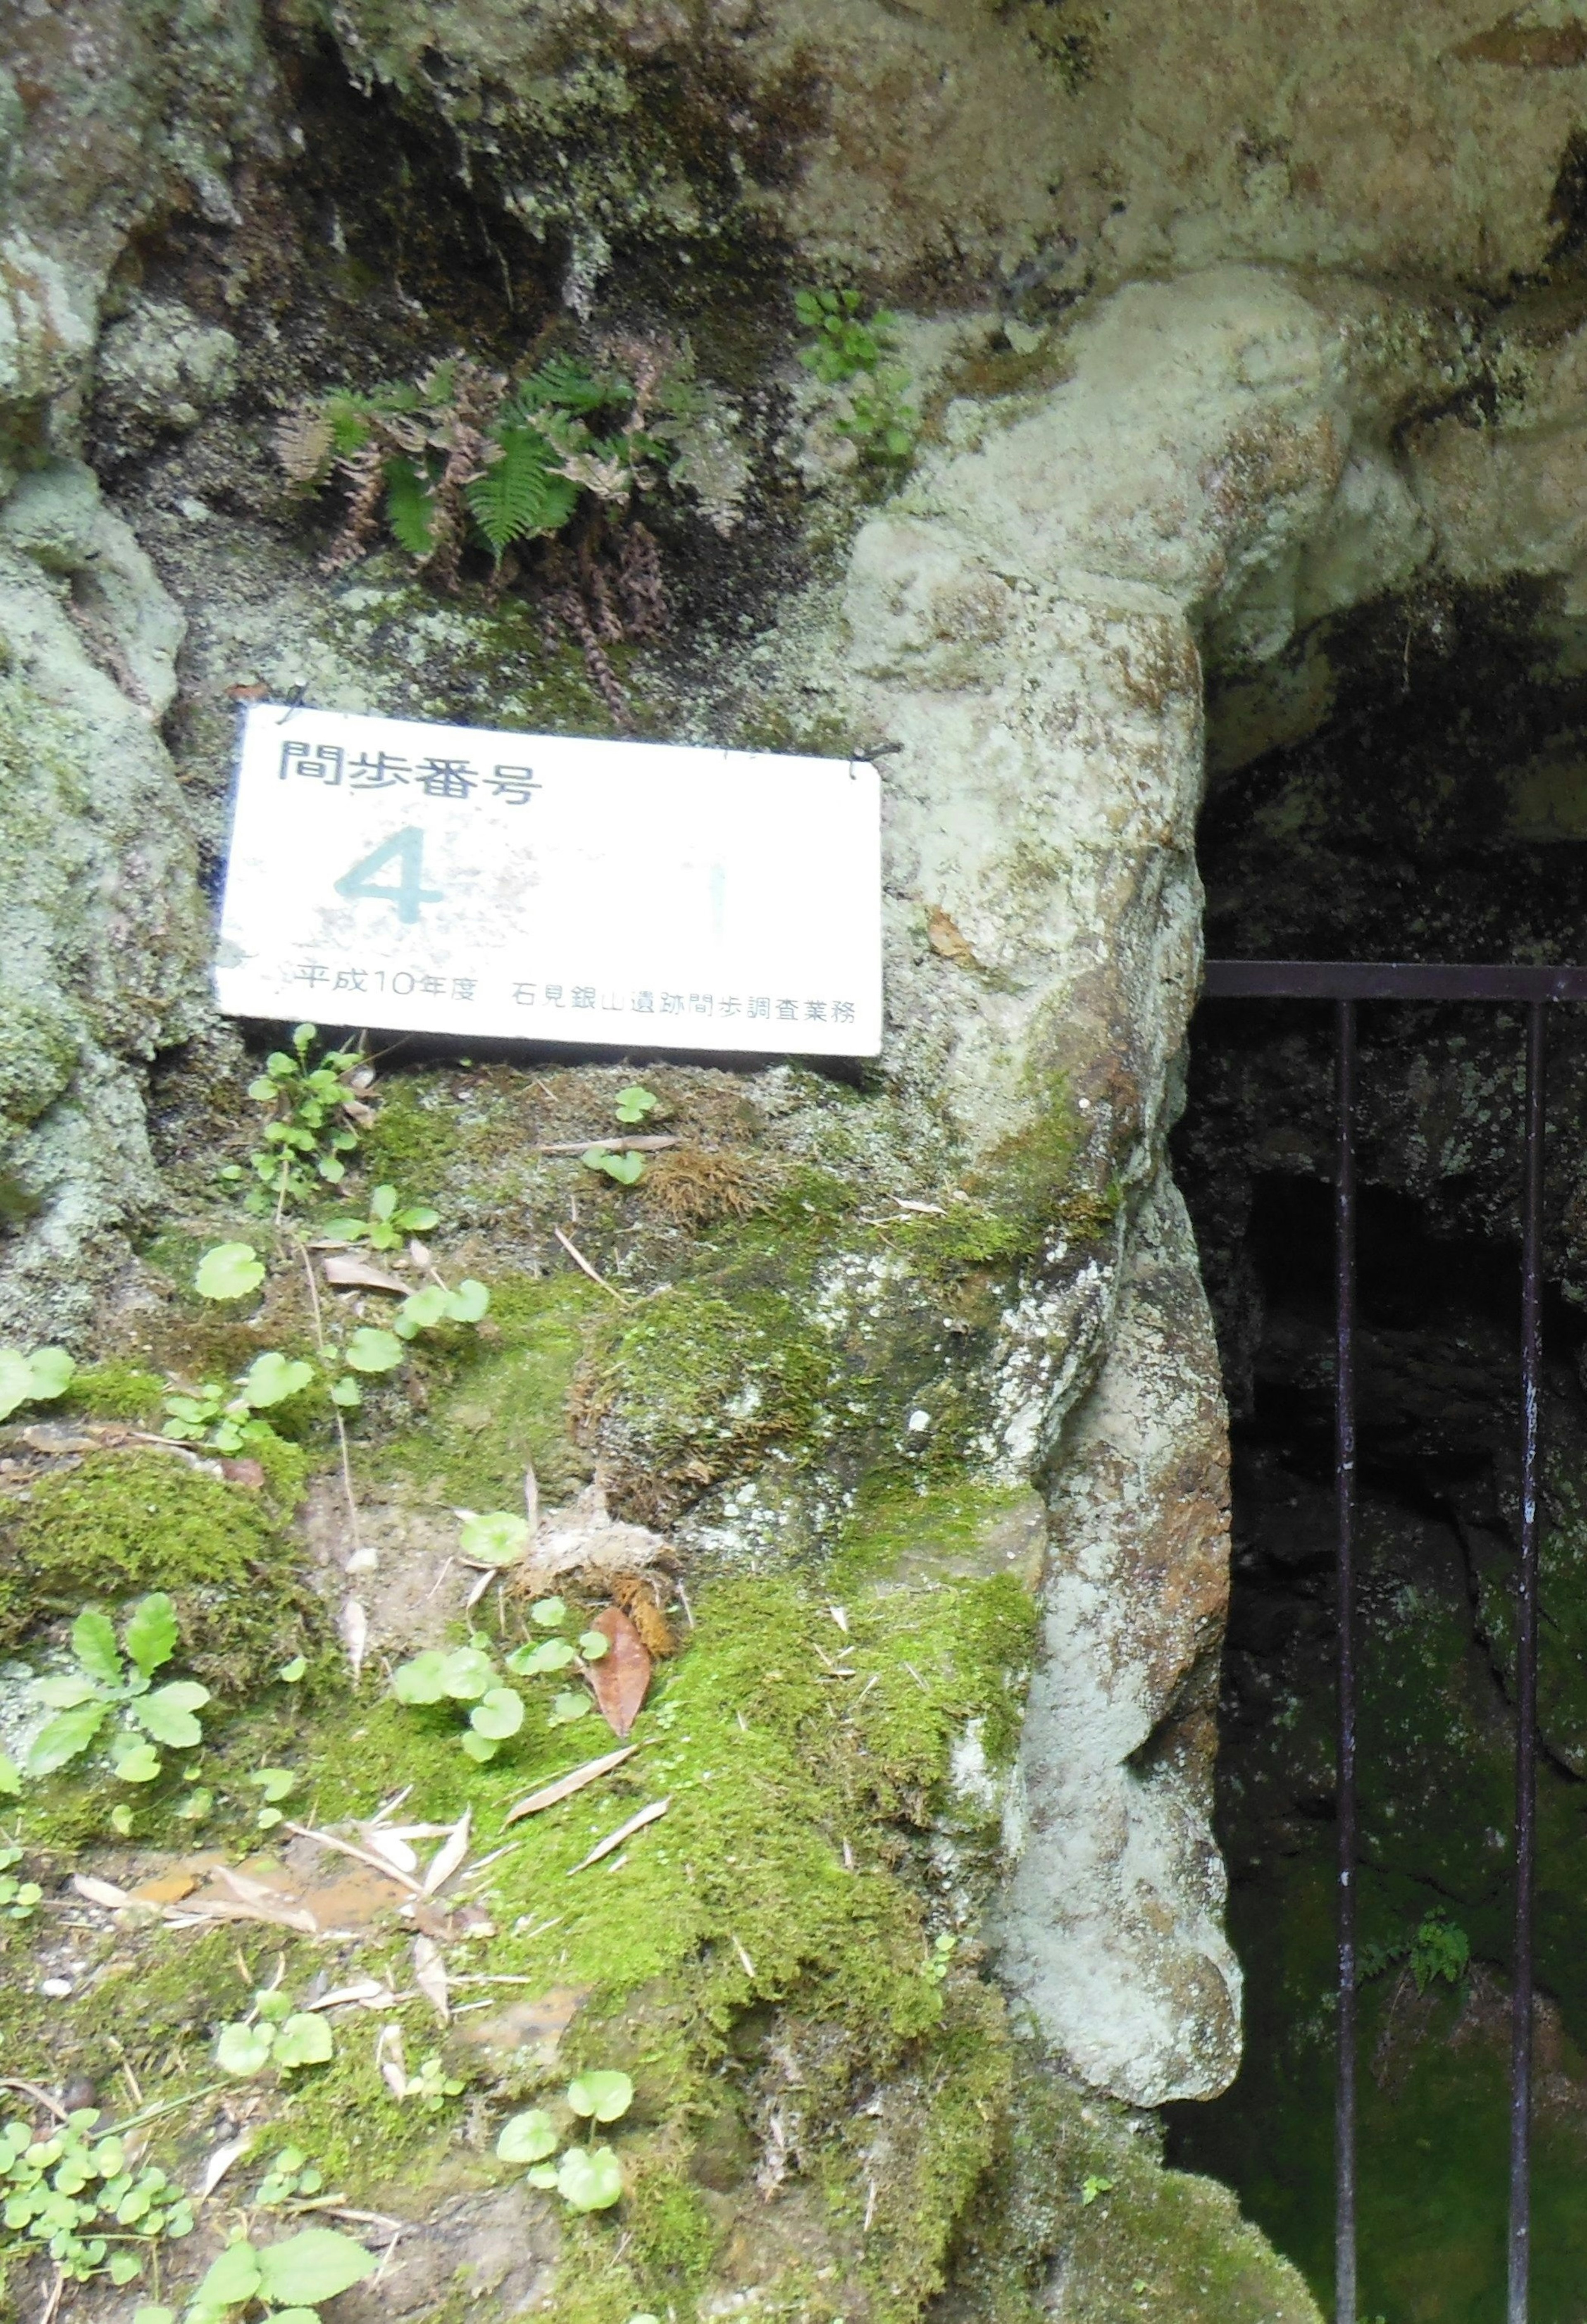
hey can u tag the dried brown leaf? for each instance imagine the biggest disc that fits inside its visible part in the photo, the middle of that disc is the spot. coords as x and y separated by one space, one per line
448 1856
430 1975
357 1274
621 1679
624 1831
552 1795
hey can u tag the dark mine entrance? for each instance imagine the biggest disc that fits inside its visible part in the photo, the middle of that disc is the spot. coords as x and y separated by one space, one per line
1408 780
1429 2152
1346 986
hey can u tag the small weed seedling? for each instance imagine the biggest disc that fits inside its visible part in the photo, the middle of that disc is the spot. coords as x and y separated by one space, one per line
849 354
274 2034
19 1899
82 2203
291 2178
465 1676
38 1378
390 1222
940 1959
633 1105
1439 1950
310 1111
552 1655
587 2178
103 1688
289 2281
1092 2188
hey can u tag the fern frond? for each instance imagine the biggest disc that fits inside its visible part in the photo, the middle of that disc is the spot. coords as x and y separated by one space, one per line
304 445
519 495
562 380
409 509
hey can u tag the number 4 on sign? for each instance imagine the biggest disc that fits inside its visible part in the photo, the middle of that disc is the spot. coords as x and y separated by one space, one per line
405 849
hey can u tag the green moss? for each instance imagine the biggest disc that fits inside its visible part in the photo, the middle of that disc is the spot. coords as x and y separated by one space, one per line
114 1391
123 1523
921 1527
413 1139
698 1385
503 1401
1150 2246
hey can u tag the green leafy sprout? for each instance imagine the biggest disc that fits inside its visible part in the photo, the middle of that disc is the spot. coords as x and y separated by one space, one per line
850 353
1438 1948
290 2178
467 1676
36 1379
19 1899
632 1106
311 1110
587 2178
274 2034
287 2281
82 2202
103 1688
226 1420
390 1222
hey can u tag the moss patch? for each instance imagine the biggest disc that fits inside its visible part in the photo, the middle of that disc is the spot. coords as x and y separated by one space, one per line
122 1523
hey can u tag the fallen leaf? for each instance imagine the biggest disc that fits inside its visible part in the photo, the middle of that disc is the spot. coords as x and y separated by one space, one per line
248 690
248 1474
621 1679
636 1594
430 1975
947 941
392 1848
448 1856
99 1892
169 1889
348 1272
369 1992
363 1856
389 2058
623 1831
355 1629
552 1795
221 2162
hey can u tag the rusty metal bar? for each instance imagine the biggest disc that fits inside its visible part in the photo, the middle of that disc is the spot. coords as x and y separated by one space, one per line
1344 2099
1356 979
1520 2146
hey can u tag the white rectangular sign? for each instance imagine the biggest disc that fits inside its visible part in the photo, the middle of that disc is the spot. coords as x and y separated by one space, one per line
615 895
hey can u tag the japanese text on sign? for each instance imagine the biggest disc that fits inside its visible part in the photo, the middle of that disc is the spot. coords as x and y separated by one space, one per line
606 894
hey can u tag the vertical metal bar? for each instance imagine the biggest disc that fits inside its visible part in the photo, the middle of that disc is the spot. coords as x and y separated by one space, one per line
1344 2103
1520 2145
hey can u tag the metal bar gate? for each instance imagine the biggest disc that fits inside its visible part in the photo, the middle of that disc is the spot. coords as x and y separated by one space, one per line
1345 983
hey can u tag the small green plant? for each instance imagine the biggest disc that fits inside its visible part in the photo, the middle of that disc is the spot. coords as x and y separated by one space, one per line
940 1959
468 1676
226 1419
552 1655
627 1169
587 2178
288 2281
273 1785
390 1222
274 2034
1437 1947
311 1110
849 353
19 1899
38 1378
1092 2188
432 2086
82 2202
633 1104
103 1688
1439 1950
289 2178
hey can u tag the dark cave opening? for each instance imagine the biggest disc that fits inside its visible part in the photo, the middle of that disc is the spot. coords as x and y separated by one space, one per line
1411 825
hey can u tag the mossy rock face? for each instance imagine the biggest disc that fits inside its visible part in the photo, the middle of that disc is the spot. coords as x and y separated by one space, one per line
122 1524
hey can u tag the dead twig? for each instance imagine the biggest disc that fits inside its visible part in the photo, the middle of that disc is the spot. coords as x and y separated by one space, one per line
578 1258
